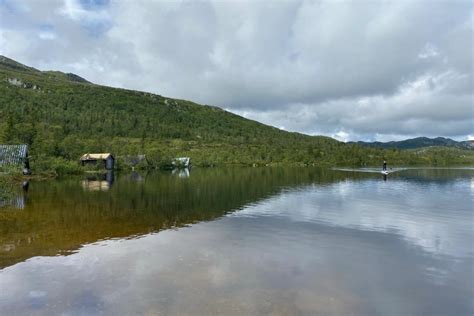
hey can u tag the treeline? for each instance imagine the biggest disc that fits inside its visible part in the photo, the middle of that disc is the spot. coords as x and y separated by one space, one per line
62 118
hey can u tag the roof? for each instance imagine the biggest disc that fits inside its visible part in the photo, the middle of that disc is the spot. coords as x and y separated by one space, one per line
100 156
182 159
13 154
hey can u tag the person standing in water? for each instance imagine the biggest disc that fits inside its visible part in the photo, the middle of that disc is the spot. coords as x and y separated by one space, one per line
384 168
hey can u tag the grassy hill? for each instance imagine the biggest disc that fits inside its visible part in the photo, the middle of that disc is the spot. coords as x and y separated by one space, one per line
61 116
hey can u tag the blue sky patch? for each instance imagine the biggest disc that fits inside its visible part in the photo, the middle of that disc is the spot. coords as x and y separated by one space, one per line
93 4
47 27
9 6
96 28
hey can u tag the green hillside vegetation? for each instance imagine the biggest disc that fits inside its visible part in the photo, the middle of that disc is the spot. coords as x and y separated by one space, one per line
62 116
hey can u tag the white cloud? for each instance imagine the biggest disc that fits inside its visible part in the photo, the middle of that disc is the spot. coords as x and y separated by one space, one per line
368 69
428 51
45 35
75 11
72 9
342 136
2 42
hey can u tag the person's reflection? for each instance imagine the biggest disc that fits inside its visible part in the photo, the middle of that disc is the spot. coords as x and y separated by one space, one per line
384 177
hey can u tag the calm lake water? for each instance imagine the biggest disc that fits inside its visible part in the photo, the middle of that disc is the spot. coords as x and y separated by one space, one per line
236 241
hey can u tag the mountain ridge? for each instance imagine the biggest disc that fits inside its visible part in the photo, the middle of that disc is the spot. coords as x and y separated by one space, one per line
419 142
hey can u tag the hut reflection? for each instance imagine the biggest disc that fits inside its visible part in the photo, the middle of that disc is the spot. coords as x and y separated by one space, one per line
18 199
181 173
135 176
99 182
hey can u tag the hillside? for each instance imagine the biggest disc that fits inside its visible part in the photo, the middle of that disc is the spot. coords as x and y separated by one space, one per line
61 116
420 142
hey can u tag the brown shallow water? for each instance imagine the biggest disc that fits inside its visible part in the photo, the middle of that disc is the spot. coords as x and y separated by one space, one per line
241 241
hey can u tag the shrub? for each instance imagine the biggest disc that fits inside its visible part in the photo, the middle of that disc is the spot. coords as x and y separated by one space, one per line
59 166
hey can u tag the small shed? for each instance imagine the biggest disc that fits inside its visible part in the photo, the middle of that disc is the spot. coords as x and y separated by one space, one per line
15 155
182 162
107 159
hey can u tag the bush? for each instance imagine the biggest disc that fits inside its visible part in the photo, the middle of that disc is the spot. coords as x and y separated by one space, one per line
11 170
6 187
59 166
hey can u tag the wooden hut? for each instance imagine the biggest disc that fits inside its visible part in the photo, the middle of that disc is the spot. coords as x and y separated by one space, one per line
107 159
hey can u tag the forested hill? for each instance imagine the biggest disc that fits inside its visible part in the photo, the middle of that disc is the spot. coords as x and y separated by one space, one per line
420 142
61 116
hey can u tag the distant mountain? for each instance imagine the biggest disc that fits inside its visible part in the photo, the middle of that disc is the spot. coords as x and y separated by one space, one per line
420 142
8 63
14 65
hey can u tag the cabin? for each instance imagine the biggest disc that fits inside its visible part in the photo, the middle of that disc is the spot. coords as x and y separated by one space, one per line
182 162
107 159
15 155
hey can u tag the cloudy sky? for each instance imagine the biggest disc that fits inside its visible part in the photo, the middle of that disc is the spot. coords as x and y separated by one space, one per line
354 70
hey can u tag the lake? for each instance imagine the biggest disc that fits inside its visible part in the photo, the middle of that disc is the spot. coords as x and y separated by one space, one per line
252 241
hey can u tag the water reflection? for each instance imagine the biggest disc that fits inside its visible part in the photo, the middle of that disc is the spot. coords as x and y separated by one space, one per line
262 241
435 216
136 176
98 182
181 172
60 217
17 199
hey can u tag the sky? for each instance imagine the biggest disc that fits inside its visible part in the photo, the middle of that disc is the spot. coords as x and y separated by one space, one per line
353 70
